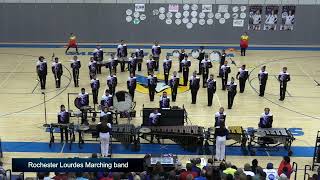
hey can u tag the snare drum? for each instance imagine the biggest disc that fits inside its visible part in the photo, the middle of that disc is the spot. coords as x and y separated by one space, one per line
144 130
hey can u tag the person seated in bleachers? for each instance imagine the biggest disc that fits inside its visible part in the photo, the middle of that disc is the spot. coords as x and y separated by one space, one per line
271 173
247 170
285 163
183 176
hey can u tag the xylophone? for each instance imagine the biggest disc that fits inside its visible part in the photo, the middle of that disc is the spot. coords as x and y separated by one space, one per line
270 138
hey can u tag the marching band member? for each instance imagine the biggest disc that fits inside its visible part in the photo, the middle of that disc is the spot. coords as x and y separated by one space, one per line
225 70
139 55
181 57
283 78
112 82
150 65
95 85
232 91
164 101
42 71
106 99
122 54
185 65
72 43
211 88
266 119
104 130
166 68
220 117
132 64
131 85
221 135
92 67
63 118
84 101
156 51
106 114
222 60
174 84
98 57
200 58
154 120
244 41
113 63
263 77
57 71
152 84
75 65
242 76
194 86
205 65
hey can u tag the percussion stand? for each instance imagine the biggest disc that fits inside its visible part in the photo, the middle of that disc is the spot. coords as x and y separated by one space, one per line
45 110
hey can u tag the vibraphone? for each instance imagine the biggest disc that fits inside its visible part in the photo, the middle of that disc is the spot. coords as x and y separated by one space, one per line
183 135
236 133
70 128
270 138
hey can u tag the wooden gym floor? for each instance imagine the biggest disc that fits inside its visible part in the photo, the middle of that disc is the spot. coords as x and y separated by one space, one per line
22 111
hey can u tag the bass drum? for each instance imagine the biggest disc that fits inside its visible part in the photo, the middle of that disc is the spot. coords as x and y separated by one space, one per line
122 102
215 56
175 53
77 103
195 53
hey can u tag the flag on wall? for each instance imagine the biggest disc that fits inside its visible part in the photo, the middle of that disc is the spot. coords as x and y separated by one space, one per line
287 18
255 18
271 15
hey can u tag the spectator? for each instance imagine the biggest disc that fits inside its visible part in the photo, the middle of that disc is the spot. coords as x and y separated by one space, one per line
189 177
283 177
183 176
229 169
79 176
214 173
2 170
271 173
172 175
254 165
60 176
247 170
195 168
285 163
202 175
158 172
179 169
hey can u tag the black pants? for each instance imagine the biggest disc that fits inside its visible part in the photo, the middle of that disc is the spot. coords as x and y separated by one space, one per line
95 93
43 79
122 66
113 69
283 89
64 133
194 93
166 78
200 68
149 71
210 96
224 82
231 96
112 90
262 89
152 91
57 78
75 73
139 64
219 70
242 84
180 66
92 74
70 47
243 51
133 71
99 65
204 79
174 92
156 60
131 92
185 77
84 116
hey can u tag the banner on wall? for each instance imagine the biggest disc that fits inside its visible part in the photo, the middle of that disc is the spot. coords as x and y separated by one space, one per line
238 23
173 8
139 7
287 18
255 18
207 8
270 23
223 8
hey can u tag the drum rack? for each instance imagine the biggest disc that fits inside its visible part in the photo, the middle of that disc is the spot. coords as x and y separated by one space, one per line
270 138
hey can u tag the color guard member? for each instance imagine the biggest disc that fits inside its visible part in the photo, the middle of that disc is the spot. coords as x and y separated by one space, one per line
72 43
211 88
266 119
131 85
92 67
98 57
232 91
194 86
63 118
225 70
156 51
220 117
244 42
152 84
42 71
139 55
132 64
164 101
95 85
200 58
263 77
181 57
122 54
185 64
283 78
166 68
242 76
112 64
75 65
150 65
174 84
112 82
57 71
205 66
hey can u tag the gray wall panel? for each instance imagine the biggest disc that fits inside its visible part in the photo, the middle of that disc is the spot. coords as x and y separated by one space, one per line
106 23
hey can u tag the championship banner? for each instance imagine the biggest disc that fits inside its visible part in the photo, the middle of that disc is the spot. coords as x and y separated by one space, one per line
255 18
173 8
270 23
206 8
77 165
238 23
287 18
139 7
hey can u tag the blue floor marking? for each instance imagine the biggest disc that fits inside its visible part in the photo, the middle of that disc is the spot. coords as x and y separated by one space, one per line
43 147
266 48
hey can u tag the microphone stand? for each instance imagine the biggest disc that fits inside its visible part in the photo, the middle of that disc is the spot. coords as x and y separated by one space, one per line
45 109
